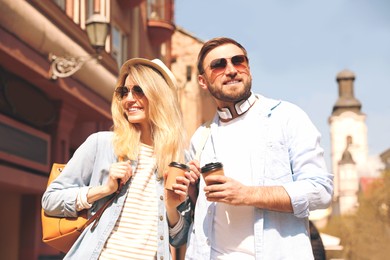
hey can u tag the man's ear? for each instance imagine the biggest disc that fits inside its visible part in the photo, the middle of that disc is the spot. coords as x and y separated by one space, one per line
202 82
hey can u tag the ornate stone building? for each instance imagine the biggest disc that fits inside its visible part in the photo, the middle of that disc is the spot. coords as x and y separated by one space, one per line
349 149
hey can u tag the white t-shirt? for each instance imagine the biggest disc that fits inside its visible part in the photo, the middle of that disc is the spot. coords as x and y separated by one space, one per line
234 225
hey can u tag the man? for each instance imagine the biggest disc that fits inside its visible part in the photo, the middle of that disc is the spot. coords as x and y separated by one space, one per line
275 173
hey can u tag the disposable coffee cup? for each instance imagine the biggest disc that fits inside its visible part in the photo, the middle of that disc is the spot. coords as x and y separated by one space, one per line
175 169
211 169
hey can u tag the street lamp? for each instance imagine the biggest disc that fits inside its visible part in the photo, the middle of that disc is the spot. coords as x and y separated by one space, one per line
97 30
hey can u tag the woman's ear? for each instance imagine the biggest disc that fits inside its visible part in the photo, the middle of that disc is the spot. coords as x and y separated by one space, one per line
202 82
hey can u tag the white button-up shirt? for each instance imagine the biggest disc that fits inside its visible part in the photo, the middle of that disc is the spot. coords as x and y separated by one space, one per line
283 149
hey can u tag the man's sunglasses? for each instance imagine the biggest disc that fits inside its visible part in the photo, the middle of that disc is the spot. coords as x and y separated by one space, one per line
240 62
123 91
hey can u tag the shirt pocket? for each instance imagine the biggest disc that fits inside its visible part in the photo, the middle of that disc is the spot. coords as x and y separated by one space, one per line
277 162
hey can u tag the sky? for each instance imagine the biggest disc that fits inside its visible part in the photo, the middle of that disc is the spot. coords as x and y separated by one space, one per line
297 47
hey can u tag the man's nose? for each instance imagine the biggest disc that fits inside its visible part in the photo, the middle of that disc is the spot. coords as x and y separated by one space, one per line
230 69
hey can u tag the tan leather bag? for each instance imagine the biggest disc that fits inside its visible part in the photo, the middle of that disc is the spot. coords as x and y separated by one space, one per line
61 232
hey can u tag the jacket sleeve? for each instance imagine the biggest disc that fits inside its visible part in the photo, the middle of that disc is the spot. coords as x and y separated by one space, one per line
186 211
59 198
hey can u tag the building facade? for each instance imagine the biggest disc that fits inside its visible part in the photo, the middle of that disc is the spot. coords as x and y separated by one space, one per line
349 148
45 116
385 158
197 105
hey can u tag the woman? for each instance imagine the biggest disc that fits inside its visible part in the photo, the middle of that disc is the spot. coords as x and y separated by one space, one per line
148 133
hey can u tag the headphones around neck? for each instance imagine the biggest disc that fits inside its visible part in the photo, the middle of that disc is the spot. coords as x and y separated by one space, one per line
241 107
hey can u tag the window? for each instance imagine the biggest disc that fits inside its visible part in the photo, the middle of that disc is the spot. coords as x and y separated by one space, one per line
90 8
95 7
119 45
60 3
156 9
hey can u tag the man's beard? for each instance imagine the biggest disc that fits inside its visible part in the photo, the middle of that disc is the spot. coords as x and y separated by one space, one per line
231 96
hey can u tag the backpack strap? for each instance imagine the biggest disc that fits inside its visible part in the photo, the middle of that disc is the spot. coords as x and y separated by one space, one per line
205 135
203 140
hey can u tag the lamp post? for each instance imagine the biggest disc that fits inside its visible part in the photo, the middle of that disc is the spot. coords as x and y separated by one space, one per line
97 29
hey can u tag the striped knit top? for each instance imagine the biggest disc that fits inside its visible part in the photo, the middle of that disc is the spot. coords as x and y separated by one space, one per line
135 233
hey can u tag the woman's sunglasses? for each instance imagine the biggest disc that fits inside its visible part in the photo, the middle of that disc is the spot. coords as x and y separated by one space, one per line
123 91
240 62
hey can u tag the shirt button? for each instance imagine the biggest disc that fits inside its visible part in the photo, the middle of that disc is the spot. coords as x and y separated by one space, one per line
208 242
161 218
161 238
161 198
161 257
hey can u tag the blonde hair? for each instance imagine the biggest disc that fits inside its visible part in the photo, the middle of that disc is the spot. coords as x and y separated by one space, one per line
166 122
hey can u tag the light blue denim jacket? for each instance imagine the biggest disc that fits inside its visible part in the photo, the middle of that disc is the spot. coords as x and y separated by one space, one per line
286 152
89 166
